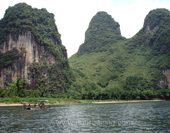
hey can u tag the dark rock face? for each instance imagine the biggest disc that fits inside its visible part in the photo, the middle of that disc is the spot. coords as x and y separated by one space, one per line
31 54
103 31
165 82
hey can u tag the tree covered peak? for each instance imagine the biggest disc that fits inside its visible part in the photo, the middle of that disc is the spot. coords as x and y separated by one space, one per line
104 21
40 22
102 32
156 18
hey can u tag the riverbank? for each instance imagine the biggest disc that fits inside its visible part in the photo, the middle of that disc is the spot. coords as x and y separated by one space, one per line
130 101
83 102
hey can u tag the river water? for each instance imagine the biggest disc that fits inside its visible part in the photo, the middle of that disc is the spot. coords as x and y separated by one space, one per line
98 118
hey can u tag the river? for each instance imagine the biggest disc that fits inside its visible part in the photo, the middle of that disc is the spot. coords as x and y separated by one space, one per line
97 118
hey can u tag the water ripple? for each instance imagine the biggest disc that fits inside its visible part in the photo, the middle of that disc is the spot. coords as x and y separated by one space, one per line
121 117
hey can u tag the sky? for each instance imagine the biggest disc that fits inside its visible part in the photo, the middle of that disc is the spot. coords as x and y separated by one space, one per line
72 17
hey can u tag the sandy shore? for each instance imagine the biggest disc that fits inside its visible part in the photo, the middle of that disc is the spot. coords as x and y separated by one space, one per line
127 101
101 102
15 104
18 105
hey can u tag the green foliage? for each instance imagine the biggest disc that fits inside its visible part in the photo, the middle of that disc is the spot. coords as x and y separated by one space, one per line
127 69
23 17
160 40
21 93
89 86
7 58
14 88
36 93
126 95
16 99
102 32
42 87
157 17
133 83
20 19
1 92
28 93
103 82
79 72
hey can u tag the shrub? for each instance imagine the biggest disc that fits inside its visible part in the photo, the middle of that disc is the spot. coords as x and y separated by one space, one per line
16 99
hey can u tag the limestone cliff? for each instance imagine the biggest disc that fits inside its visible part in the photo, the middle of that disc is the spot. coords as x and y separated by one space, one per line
30 53
40 57
165 82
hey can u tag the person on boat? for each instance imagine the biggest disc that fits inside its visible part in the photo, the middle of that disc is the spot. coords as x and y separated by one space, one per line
43 106
24 105
35 105
49 106
29 106
40 105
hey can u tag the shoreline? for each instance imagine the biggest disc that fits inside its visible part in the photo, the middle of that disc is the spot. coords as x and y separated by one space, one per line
93 102
130 101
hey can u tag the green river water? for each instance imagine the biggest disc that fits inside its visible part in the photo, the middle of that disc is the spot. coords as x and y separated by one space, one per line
98 118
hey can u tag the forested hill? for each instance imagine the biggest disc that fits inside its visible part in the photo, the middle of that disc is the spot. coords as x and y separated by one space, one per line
138 64
102 32
31 49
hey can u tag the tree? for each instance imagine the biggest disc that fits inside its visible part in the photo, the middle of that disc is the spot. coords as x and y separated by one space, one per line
14 88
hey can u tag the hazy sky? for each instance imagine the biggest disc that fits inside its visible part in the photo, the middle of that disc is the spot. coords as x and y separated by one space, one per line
73 16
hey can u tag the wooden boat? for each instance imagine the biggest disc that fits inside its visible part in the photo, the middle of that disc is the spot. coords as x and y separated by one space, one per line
41 105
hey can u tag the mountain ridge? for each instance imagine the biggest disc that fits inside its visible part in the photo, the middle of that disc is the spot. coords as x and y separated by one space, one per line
135 58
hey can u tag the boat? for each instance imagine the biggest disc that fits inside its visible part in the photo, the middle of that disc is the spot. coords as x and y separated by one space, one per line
40 103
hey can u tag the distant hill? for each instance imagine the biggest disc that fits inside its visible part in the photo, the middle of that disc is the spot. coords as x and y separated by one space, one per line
111 62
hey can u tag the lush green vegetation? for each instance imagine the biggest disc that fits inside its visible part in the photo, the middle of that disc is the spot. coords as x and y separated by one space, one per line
127 69
18 20
51 100
102 32
107 66
7 58
16 89
160 40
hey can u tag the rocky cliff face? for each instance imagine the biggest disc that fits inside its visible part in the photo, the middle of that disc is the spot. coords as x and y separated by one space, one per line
167 74
31 49
30 53
165 82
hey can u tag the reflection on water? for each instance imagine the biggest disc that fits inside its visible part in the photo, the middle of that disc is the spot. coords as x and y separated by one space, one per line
125 117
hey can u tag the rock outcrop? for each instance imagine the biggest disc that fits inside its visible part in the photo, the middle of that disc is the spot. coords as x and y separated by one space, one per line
30 53
165 82
39 56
